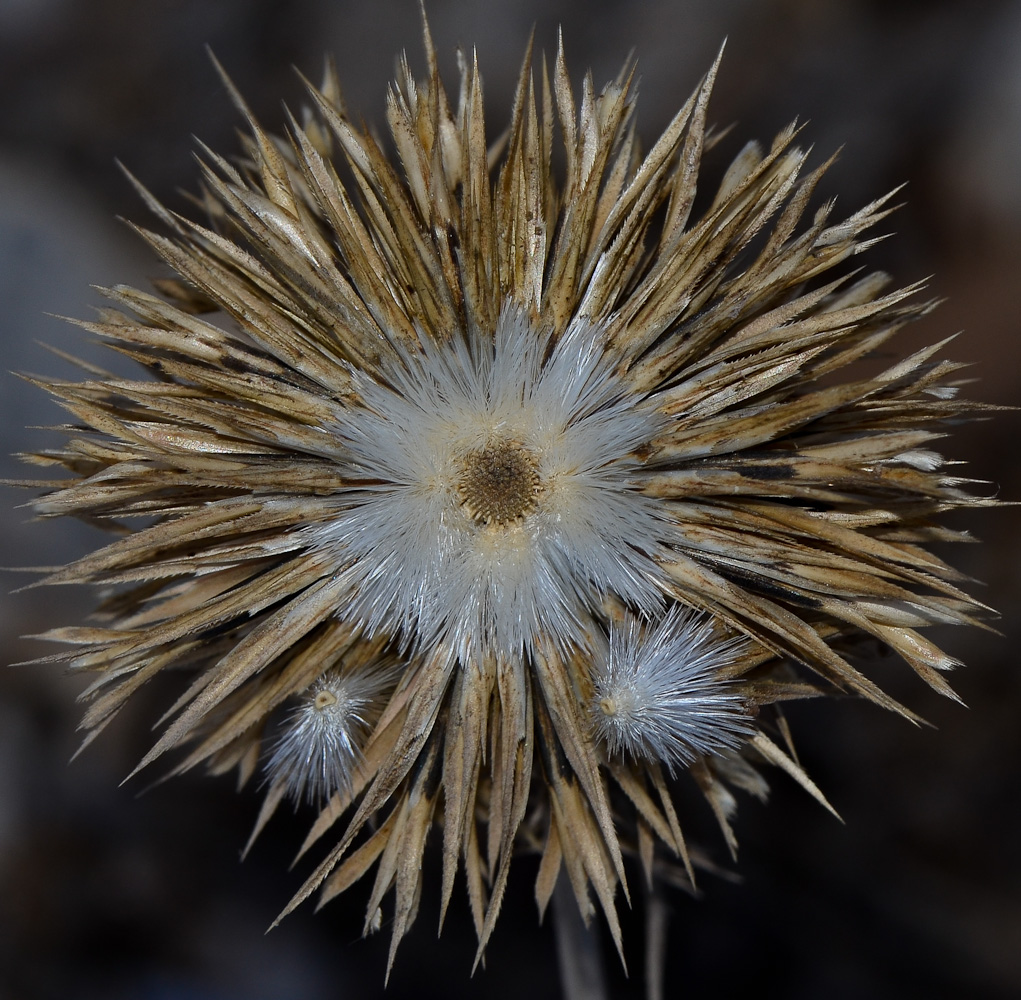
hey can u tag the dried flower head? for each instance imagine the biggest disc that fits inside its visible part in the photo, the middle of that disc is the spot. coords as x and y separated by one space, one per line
659 694
607 479
318 748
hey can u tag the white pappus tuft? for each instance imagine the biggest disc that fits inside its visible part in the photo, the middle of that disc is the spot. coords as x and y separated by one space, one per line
658 694
495 493
320 741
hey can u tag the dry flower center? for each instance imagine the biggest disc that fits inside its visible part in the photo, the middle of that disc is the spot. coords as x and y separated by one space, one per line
499 483
324 700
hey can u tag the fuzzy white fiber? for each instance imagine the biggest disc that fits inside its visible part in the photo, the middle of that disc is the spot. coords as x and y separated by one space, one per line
320 742
422 568
658 694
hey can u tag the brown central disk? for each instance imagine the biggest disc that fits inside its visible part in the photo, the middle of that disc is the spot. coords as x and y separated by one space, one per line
499 483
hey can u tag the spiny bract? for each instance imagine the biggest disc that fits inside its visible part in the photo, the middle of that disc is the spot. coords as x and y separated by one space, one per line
489 422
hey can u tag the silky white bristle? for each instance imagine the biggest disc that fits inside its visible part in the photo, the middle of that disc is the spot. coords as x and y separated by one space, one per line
500 499
319 744
658 695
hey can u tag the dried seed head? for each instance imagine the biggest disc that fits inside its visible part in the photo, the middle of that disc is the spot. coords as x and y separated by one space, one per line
320 740
659 695
504 497
499 482
484 417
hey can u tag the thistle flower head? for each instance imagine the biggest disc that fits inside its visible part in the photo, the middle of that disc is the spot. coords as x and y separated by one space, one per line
606 479
320 741
658 692
501 500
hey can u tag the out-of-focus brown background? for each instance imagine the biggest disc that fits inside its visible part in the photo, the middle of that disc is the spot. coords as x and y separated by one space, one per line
105 894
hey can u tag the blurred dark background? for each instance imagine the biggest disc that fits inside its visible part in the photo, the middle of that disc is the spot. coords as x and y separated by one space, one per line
104 894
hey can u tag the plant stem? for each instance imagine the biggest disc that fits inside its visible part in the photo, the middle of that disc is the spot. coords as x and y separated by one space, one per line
655 941
579 955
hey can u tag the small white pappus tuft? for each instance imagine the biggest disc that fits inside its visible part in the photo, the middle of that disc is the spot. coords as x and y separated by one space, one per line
320 742
658 694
